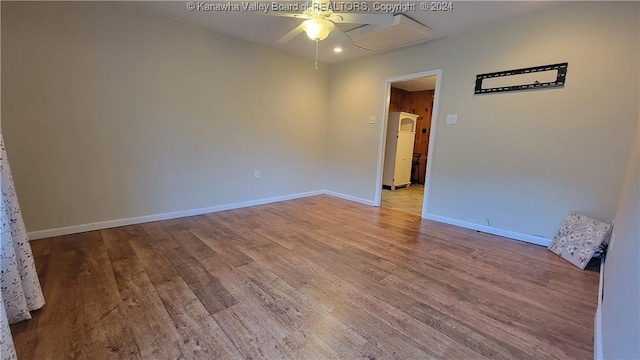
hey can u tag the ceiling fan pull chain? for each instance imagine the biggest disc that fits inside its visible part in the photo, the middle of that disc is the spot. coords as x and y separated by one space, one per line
317 41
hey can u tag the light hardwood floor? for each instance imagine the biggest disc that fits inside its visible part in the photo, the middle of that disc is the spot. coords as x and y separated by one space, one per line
406 199
314 278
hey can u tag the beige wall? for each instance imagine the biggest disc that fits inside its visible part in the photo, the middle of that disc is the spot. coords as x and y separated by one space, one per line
620 307
621 293
0 68
520 161
111 112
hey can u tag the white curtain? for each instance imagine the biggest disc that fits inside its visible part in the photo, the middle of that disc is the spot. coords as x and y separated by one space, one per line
19 282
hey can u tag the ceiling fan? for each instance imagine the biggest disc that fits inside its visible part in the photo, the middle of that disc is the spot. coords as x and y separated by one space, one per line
320 20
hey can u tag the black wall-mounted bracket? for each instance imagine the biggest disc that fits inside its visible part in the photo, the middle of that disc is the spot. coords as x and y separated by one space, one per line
561 69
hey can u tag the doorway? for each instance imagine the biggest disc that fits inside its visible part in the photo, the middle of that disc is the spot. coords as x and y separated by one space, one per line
410 96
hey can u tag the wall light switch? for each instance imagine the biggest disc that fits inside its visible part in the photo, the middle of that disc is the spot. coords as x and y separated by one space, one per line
372 119
452 119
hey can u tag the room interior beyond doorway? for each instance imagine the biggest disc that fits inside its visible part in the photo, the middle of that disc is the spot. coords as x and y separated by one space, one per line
414 96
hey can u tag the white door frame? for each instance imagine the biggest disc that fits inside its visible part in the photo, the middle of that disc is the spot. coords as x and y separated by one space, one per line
382 137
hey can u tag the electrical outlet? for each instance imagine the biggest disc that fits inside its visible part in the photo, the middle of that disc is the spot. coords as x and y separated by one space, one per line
372 119
452 119
256 174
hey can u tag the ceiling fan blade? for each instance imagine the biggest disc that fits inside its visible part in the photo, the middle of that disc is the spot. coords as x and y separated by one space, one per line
291 34
355 18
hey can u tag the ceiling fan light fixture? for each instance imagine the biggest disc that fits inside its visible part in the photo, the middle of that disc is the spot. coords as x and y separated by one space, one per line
317 29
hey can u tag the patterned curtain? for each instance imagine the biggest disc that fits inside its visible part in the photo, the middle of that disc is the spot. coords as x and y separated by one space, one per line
20 287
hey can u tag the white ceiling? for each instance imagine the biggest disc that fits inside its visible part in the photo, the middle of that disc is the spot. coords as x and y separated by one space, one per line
420 84
263 29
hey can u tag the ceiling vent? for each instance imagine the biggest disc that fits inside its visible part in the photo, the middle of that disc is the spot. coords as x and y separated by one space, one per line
402 32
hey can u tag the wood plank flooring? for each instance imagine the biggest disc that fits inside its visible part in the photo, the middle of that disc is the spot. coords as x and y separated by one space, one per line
313 278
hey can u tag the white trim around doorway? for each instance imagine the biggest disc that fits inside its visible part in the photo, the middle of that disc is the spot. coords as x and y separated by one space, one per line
382 139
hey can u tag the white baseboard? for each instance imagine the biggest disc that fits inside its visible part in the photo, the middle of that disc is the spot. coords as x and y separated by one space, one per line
597 324
350 198
33 235
184 213
597 336
538 240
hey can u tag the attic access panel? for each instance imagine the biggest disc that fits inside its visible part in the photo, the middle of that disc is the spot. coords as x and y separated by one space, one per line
403 31
536 77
